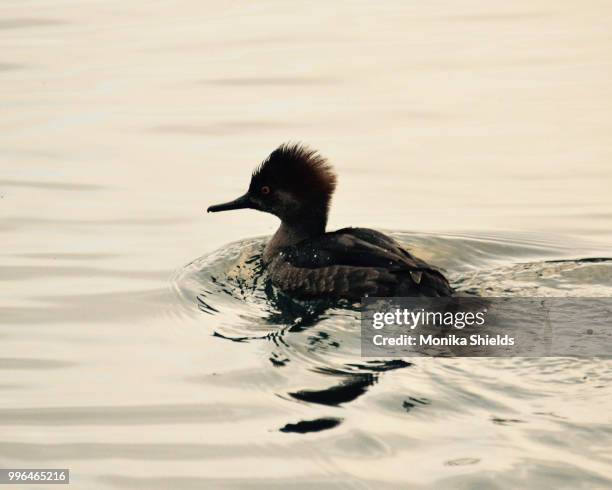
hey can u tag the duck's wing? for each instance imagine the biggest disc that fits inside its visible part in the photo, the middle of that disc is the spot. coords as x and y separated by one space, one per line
358 247
350 257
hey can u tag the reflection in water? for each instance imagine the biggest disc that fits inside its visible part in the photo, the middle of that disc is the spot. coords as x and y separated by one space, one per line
413 402
313 346
317 425
351 388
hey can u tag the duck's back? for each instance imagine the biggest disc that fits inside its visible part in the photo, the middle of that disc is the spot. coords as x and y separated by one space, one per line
352 263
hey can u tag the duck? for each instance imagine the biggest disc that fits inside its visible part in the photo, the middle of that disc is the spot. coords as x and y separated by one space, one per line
296 184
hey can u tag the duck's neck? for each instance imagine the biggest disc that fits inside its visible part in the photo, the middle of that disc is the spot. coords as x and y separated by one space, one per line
290 233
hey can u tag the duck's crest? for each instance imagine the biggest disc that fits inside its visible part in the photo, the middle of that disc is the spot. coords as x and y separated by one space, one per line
300 168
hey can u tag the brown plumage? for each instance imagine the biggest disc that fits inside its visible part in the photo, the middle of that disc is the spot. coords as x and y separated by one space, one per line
352 263
298 169
296 184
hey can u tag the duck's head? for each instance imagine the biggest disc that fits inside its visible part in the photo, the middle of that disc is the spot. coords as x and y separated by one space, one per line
294 183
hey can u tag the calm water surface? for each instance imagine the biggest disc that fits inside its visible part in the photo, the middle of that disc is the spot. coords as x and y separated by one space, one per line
139 345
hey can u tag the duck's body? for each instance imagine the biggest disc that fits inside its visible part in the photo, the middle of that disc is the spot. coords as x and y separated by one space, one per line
352 263
303 260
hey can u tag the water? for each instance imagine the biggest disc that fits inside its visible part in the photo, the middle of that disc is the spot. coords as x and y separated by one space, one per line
476 134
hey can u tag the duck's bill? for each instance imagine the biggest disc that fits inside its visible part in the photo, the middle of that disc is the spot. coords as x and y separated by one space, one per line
242 202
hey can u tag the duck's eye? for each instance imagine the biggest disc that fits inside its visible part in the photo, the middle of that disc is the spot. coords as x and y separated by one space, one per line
265 190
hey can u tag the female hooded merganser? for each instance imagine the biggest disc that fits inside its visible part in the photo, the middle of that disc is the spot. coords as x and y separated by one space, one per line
296 184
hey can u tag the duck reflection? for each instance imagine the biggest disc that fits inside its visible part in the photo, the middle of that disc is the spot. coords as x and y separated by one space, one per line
289 324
